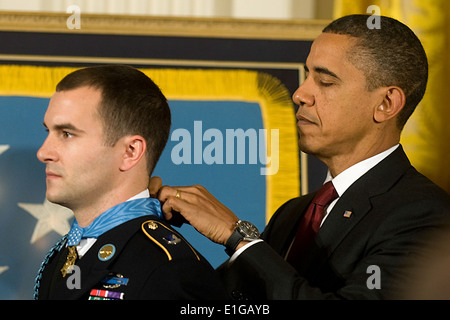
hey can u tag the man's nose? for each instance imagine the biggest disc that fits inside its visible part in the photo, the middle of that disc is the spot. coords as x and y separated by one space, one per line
303 95
47 152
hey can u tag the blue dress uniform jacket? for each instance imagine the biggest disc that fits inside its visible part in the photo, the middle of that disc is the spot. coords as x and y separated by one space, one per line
393 208
144 258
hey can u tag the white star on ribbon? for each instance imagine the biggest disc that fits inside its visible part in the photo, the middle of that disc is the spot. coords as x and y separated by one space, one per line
50 217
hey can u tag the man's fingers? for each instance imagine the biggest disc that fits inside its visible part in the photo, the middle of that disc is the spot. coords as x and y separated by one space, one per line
203 211
184 193
174 207
166 192
196 197
154 186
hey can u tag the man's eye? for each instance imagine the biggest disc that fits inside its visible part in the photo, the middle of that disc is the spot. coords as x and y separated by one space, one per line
67 134
326 84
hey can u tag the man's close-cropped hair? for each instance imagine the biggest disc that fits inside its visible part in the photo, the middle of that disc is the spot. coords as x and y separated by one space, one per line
132 104
389 56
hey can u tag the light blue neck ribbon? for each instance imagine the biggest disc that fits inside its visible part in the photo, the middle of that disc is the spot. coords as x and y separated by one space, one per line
113 217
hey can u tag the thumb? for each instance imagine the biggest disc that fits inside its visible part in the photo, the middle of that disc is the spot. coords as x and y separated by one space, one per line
154 186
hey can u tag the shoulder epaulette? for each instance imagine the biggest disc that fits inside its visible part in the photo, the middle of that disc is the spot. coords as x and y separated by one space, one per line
166 238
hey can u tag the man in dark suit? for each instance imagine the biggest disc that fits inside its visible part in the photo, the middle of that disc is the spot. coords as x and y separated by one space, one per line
107 127
362 85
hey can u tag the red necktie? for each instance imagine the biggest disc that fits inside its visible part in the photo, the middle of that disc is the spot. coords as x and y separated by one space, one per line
310 223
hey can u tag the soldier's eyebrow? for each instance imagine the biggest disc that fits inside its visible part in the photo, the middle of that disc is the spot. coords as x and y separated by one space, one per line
64 126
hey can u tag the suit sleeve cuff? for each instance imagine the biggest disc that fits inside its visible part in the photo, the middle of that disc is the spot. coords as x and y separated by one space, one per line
238 252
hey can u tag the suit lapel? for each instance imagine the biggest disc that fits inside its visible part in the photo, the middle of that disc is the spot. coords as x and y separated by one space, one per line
356 200
283 227
355 203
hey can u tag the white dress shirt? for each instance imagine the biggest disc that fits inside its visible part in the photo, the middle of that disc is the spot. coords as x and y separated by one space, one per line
87 243
341 183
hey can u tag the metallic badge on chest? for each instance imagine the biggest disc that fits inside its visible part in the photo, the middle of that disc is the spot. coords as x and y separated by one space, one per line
172 239
152 225
106 252
114 281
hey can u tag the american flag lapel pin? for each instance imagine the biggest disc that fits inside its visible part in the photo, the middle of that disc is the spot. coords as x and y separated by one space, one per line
347 214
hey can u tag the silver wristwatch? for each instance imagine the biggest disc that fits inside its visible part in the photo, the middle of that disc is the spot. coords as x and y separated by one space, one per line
244 231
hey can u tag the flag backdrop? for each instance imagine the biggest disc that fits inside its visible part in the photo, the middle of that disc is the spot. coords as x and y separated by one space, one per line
214 99
426 137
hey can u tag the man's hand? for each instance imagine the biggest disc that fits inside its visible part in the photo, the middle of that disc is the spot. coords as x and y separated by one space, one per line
203 211
154 186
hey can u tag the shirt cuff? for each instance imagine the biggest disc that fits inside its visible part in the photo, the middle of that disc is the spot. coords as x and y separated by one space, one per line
238 252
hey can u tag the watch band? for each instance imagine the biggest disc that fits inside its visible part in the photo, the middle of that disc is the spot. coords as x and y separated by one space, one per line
244 230
233 241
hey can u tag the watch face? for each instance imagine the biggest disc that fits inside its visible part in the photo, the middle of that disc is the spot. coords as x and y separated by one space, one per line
249 230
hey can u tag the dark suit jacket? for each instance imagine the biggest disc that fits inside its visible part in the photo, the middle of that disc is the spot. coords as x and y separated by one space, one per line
393 208
155 267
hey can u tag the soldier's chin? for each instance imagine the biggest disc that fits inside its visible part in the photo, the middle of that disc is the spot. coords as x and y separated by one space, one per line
57 200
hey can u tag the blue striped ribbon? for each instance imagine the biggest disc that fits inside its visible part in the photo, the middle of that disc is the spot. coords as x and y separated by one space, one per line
113 217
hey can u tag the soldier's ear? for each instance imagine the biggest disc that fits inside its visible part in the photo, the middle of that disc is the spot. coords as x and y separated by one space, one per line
133 149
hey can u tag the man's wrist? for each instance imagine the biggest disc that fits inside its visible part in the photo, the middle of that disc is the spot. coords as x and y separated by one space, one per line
243 233
241 244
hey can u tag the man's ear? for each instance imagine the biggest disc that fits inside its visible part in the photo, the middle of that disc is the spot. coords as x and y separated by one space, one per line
133 149
393 102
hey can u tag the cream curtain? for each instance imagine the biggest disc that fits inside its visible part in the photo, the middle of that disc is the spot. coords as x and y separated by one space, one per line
261 9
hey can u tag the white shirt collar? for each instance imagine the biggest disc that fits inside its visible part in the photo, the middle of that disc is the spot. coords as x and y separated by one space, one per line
143 194
346 178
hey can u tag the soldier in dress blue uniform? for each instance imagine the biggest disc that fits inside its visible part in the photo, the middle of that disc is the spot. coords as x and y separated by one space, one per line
107 127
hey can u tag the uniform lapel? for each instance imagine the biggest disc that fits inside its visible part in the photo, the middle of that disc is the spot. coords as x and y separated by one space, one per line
93 268
52 278
92 271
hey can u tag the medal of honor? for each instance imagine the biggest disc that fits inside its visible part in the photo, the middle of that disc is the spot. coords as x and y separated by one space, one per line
71 258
